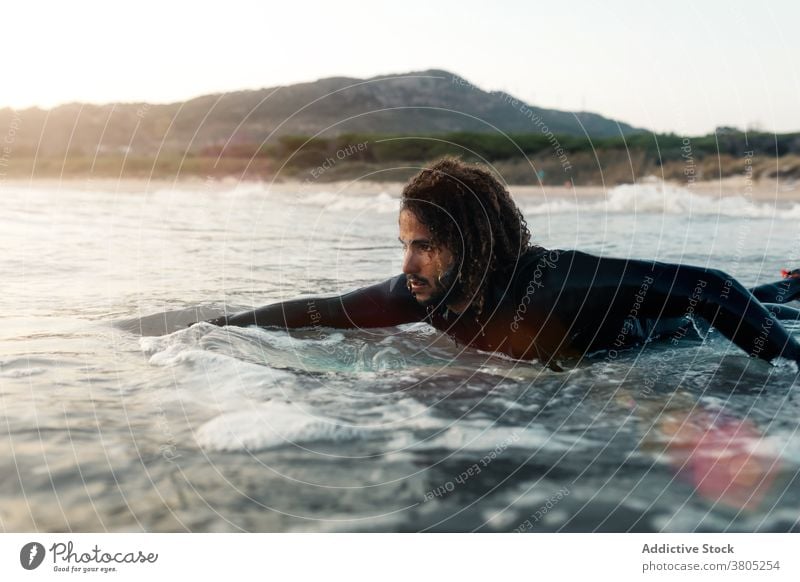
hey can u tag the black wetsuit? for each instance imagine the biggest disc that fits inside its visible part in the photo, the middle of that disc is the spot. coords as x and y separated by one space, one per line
555 304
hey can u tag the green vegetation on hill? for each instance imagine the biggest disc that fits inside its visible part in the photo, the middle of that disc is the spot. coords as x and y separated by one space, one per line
302 151
519 158
526 158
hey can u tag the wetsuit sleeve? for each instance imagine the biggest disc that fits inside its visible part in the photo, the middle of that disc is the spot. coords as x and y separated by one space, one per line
596 299
382 305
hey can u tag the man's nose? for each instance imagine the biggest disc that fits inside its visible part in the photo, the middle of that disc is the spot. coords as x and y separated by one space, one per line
410 262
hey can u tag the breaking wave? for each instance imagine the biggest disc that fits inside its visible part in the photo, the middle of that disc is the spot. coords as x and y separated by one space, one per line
661 198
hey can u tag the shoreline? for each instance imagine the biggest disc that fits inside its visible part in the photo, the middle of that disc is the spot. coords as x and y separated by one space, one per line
753 190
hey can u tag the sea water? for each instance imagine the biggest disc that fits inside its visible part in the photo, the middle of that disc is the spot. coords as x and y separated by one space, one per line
117 417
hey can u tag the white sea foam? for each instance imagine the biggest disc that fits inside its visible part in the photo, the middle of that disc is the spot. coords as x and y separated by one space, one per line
23 372
272 425
477 437
214 380
381 202
661 198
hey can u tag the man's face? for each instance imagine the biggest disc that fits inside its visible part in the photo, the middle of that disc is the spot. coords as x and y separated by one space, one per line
424 264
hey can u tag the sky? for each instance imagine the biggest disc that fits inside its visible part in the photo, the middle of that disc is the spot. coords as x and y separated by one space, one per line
680 66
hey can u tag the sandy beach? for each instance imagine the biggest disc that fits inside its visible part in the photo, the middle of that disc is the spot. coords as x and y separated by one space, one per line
752 190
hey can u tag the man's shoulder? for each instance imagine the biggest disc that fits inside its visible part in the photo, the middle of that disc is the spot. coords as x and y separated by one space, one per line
537 259
542 269
509 282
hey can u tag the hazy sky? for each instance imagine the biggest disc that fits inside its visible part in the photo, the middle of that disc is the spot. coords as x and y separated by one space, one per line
675 66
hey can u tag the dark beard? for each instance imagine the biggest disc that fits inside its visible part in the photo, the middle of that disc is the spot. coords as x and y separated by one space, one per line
447 289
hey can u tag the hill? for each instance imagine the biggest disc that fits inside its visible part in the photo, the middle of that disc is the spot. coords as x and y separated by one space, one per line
418 103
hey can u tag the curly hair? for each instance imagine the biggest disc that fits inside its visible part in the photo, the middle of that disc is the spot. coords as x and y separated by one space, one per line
471 213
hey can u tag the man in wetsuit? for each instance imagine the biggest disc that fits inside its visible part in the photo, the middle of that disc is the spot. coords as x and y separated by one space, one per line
469 269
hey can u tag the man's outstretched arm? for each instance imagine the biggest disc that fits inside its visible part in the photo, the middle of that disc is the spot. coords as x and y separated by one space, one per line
731 308
597 298
382 305
599 294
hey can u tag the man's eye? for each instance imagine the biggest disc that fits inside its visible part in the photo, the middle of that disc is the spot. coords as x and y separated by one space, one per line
423 247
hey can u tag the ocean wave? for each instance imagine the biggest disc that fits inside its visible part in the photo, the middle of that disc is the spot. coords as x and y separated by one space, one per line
381 203
22 372
661 198
272 425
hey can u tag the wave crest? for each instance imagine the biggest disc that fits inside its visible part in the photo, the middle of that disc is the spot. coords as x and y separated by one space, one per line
662 198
